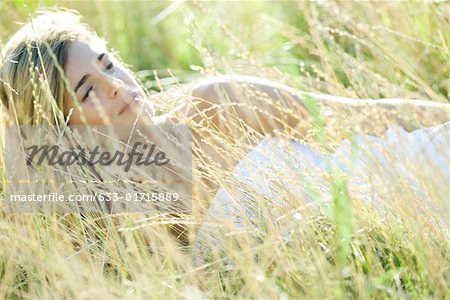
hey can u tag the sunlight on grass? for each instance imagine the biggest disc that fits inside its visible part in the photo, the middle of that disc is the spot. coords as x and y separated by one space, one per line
346 249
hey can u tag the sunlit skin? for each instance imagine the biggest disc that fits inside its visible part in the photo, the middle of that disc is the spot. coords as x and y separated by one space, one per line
105 89
109 87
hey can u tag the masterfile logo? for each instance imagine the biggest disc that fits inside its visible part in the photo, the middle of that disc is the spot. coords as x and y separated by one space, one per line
102 168
80 156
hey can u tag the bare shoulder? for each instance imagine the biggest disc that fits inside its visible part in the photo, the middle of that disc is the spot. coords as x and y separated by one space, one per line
232 84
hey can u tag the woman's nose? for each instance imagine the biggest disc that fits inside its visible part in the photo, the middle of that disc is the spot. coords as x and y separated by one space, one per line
115 88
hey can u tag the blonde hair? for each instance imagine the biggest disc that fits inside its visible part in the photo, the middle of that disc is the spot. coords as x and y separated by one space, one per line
33 87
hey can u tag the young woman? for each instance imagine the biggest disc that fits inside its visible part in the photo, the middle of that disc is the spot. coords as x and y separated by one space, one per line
55 70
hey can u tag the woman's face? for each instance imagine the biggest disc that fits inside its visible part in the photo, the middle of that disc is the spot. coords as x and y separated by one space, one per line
105 89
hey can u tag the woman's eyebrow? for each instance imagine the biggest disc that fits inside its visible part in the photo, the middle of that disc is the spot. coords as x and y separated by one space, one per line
100 57
86 76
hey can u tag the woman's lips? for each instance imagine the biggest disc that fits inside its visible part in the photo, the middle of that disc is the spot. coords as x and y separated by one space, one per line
126 107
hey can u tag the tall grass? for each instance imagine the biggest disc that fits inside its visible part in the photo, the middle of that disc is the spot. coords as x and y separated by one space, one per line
355 49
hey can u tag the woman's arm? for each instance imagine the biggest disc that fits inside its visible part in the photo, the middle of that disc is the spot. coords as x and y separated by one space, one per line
228 104
266 106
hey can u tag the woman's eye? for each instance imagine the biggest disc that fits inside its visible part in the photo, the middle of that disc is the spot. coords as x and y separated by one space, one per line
87 93
109 66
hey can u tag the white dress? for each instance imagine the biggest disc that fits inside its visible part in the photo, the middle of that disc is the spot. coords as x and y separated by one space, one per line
415 165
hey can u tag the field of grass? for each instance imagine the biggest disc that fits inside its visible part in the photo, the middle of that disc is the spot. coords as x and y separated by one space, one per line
356 49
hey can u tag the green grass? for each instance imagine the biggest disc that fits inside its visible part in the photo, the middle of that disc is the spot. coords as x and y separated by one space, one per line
355 49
